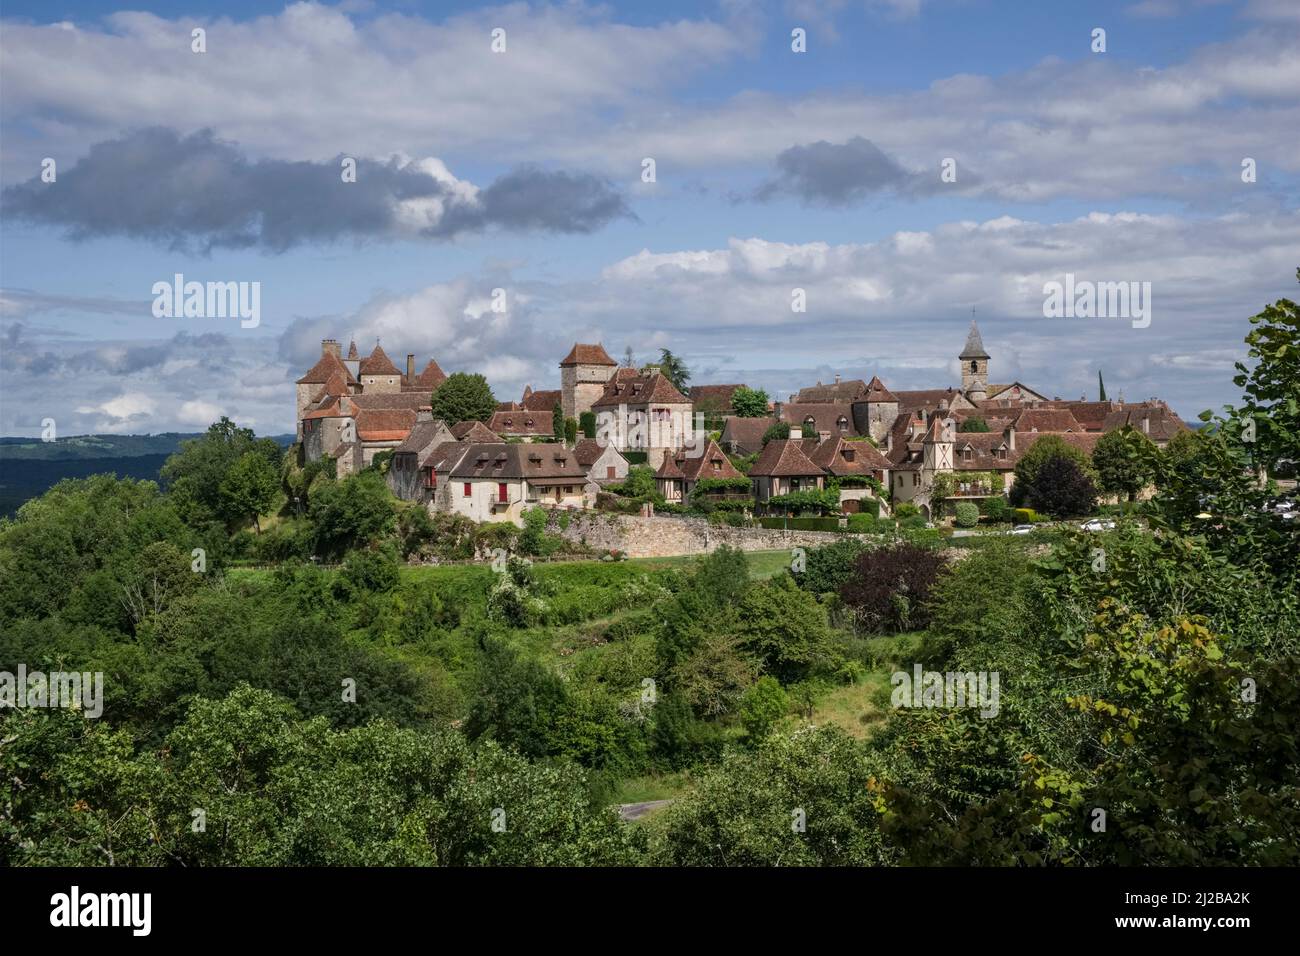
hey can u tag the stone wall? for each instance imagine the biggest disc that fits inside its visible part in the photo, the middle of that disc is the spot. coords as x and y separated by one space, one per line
668 535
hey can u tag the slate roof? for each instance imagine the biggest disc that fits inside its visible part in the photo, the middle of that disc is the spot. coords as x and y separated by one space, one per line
474 432
825 415
974 344
320 373
522 422
837 392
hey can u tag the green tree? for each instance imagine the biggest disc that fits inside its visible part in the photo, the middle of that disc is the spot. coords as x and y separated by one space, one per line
557 423
587 424
674 369
1123 460
571 431
351 513
1063 489
777 431
786 628
194 475
464 398
749 402
249 489
762 706
974 425
1101 387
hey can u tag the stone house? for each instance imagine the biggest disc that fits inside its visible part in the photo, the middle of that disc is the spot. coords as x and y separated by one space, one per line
644 412
680 472
498 482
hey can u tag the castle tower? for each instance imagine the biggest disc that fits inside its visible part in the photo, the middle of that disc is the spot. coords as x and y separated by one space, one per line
379 374
875 411
583 374
974 364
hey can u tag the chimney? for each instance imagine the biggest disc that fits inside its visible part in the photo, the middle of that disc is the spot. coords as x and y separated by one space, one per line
796 432
331 347
410 367
1146 425
837 378
650 370
1010 434
424 413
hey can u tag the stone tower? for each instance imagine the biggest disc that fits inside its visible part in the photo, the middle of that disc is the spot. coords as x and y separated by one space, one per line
974 365
583 374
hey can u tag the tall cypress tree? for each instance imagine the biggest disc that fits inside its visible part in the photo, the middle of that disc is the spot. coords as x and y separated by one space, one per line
1101 387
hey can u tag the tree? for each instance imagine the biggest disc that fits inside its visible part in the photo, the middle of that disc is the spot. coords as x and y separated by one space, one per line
194 475
571 431
1271 388
464 398
639 483
1101 387
249 489
890 587
629 357
1063 489
1042 450
351 513
786 628
974 425
557 423
762 706
966 514
749 402
674 369
587 424
1123 461
778 431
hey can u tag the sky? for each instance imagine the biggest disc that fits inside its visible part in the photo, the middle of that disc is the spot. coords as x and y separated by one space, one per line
917 163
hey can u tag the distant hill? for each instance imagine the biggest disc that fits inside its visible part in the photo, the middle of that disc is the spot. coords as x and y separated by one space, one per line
28 467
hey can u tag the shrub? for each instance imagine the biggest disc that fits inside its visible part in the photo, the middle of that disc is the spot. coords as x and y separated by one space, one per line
995 508
828 567
778 431
1026 515
889 587
369 571
966 515
906 509
762 706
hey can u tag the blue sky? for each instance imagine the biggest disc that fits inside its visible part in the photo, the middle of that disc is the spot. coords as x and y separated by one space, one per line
521 170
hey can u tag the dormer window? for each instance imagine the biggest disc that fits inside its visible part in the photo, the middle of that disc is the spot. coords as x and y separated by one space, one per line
843 423
848 454
809 422
967 454
528 423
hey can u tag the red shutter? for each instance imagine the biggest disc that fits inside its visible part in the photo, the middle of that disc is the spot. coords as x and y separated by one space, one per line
502 493
467 489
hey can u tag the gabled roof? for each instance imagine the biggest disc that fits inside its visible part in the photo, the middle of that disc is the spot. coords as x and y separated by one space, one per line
543 400
335 386
385 424
974 344
1005 392
445 455
423 434
831 455
1162 423
701 465
582 354
927 398
782 458
848 391
474 432
746 433
320 373
1046 420
826 416
522 422
498 461
588 451
640 390
378 363
668 469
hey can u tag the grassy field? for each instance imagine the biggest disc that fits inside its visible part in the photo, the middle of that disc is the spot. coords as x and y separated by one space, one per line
859 708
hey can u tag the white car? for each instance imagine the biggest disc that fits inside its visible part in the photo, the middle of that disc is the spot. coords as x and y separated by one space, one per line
1023 529
1098 524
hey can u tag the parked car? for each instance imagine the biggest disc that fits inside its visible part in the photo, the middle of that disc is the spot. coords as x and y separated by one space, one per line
1098 524
1023 529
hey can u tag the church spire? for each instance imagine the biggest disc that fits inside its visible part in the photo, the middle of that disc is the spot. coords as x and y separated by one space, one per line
974 344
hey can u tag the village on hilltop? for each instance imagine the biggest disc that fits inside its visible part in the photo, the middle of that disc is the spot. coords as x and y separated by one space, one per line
875 446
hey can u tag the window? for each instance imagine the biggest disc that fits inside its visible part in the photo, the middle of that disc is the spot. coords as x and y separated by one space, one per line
843 423
809 422
913 479
503 493
610 471
717 465
974 366
848 454
469 489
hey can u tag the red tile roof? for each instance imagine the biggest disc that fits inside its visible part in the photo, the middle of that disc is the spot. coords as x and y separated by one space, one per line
320 373
522 423
582 354
701 466
474 432
640 390
782 458
832 456
378 363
